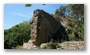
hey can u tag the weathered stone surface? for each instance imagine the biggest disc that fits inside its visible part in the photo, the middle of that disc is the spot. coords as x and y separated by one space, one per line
29 45
72 45
25 45
43 27
65 45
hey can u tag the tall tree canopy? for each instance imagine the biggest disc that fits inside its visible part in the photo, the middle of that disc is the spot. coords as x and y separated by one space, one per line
17 35
72 10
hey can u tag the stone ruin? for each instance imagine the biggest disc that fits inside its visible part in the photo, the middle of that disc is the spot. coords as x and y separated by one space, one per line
44 26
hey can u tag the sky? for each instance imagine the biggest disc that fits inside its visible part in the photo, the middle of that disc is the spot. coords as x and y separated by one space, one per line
17 13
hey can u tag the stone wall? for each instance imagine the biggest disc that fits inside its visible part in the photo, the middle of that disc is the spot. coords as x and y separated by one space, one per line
64 45
72 45
43 27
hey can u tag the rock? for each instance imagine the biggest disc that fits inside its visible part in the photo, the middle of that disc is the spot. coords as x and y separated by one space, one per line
29 45
64 45
48 46
72 45
43 27
43 45
25 45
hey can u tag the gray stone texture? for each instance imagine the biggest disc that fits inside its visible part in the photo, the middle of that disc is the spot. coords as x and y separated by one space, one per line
43 27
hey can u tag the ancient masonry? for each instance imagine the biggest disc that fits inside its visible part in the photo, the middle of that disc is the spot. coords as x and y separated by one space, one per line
72 45
67 45
43 27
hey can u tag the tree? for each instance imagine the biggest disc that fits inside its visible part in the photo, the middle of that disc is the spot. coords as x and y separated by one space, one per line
28 5
73 25
17 35
78 10
60 11
72 11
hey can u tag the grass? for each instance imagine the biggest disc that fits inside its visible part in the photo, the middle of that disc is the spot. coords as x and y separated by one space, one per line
19 47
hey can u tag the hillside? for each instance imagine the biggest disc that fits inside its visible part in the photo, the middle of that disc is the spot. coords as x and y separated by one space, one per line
66 25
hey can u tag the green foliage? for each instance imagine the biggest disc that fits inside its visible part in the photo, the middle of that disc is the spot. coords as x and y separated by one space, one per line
71 11
73 19
17 35
60 11
28 5
73 27
77 9
19 47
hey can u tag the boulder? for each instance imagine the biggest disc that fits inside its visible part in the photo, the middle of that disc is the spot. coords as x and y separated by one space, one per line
43 27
